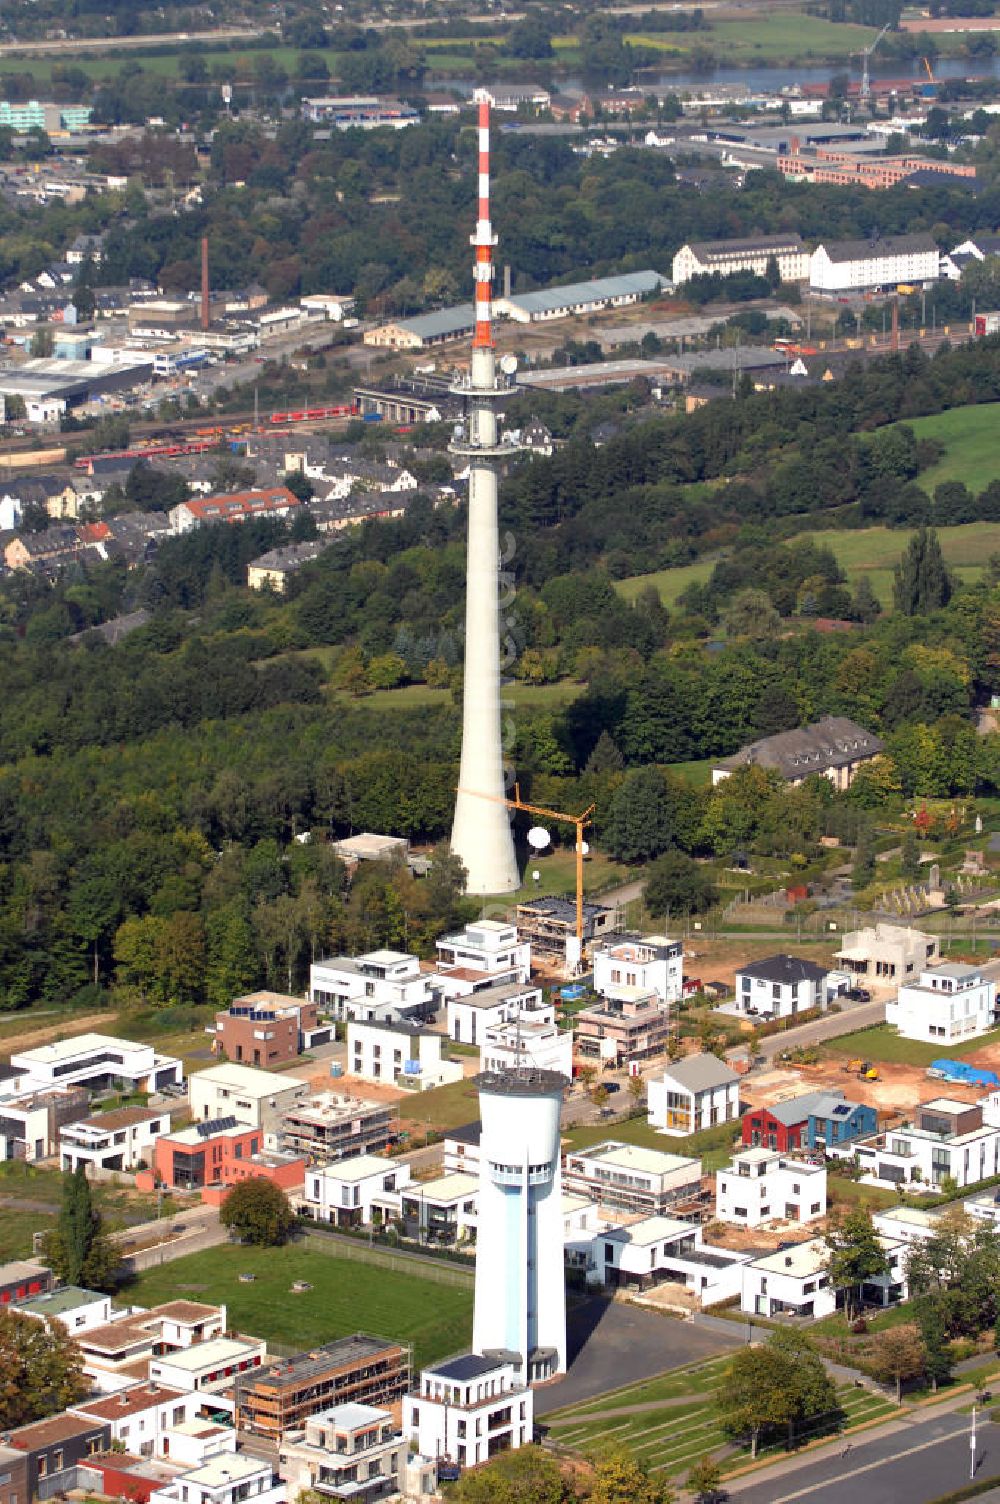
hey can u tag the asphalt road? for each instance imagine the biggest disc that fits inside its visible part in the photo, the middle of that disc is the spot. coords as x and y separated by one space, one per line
612 1344
918 1462
854 1016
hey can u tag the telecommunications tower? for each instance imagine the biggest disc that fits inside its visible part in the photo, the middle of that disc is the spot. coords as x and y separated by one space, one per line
481 833
520 1307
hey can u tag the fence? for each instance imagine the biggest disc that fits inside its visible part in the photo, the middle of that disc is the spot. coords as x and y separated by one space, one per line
400 1262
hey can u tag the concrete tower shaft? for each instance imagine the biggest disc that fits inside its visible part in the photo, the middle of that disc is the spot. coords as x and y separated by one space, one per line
520 1283
481 833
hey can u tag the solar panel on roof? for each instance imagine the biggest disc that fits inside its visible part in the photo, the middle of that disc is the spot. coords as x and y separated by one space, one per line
217 1125
841 1110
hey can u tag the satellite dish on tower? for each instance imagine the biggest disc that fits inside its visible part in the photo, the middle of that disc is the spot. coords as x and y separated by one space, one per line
508 364
538 837
584 848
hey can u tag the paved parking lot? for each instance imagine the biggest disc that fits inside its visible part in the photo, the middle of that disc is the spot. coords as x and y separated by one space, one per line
631 1344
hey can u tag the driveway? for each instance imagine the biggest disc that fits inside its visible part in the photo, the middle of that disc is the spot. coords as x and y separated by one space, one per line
612 1344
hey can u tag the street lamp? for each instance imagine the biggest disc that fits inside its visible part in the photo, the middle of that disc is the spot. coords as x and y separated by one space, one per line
972 1446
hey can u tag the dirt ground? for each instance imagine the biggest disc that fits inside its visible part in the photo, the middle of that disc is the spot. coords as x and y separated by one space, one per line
720 960
896 1092
65 1028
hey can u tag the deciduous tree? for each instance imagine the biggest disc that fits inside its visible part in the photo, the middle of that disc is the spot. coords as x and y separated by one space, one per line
41 1369
258 1211
899 1355
856 1255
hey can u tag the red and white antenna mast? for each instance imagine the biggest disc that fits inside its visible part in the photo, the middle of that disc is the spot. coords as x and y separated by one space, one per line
484 239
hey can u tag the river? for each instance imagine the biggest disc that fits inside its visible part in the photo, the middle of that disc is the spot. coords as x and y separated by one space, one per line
755 79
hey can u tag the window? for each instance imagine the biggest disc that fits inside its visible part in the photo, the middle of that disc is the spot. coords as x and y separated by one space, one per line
814 1209
57 1459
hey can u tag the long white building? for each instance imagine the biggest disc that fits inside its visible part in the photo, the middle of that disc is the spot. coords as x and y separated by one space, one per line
702 258
838 266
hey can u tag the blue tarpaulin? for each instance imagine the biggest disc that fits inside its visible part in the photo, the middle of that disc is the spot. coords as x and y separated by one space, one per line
960 1070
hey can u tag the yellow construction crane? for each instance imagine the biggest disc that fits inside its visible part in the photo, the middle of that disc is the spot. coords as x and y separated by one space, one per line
579 821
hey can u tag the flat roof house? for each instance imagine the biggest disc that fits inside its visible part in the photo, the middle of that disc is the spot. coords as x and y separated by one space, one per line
661 1250
344 1453
23 1278
944 1005
402 1052
630 1024
471 1014
761 1186
99 1062
268 1029
468 1409
696 1092
254 1098
627 1178
382 985
52 1449
443 1210
355 1192
357 1370
652 963
328 1126
118 1140
887 952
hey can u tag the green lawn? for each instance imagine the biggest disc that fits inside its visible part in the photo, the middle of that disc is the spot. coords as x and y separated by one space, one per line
883 1043
16 1228
557 871
671 1439
969 435
784 36
346 1296
422 696
669 583
443 1107
713 1145
698 772
873 551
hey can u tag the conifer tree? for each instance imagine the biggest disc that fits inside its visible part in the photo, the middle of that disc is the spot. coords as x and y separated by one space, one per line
921 583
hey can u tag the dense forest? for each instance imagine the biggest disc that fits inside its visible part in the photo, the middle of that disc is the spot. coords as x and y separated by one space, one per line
154 795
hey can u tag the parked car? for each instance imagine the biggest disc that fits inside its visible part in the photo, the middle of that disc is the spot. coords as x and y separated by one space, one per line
859 995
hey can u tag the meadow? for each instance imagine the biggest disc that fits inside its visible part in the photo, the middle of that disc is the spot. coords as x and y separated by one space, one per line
669 1423
346 1296
872 551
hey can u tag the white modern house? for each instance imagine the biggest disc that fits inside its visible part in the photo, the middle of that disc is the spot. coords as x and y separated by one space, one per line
944 1005
469 1408
627 1178
652 963
540 1046
122 1139
349 1452
228 1478
443 1210
382 984
489 947
472 1013
796 1281
659 1250
255 1098
780 987
696 1092
355 1192
839 266
760 1186
950 1139
75 1309
384 1051
99 1062
208 1367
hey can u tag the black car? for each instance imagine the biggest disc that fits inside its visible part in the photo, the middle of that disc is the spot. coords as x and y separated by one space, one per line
610 1086
859 995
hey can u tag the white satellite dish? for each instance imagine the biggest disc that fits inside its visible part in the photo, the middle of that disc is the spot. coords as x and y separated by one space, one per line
538 837
508 364
537 875
584 848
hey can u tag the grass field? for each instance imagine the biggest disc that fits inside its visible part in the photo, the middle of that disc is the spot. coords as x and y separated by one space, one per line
873 551
713 1146
669 1440
423 697
443 1107
883 1043
784 36
969 435
346 1296
16 1228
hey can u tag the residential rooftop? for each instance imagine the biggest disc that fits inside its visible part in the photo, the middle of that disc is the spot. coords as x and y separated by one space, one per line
634 1157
